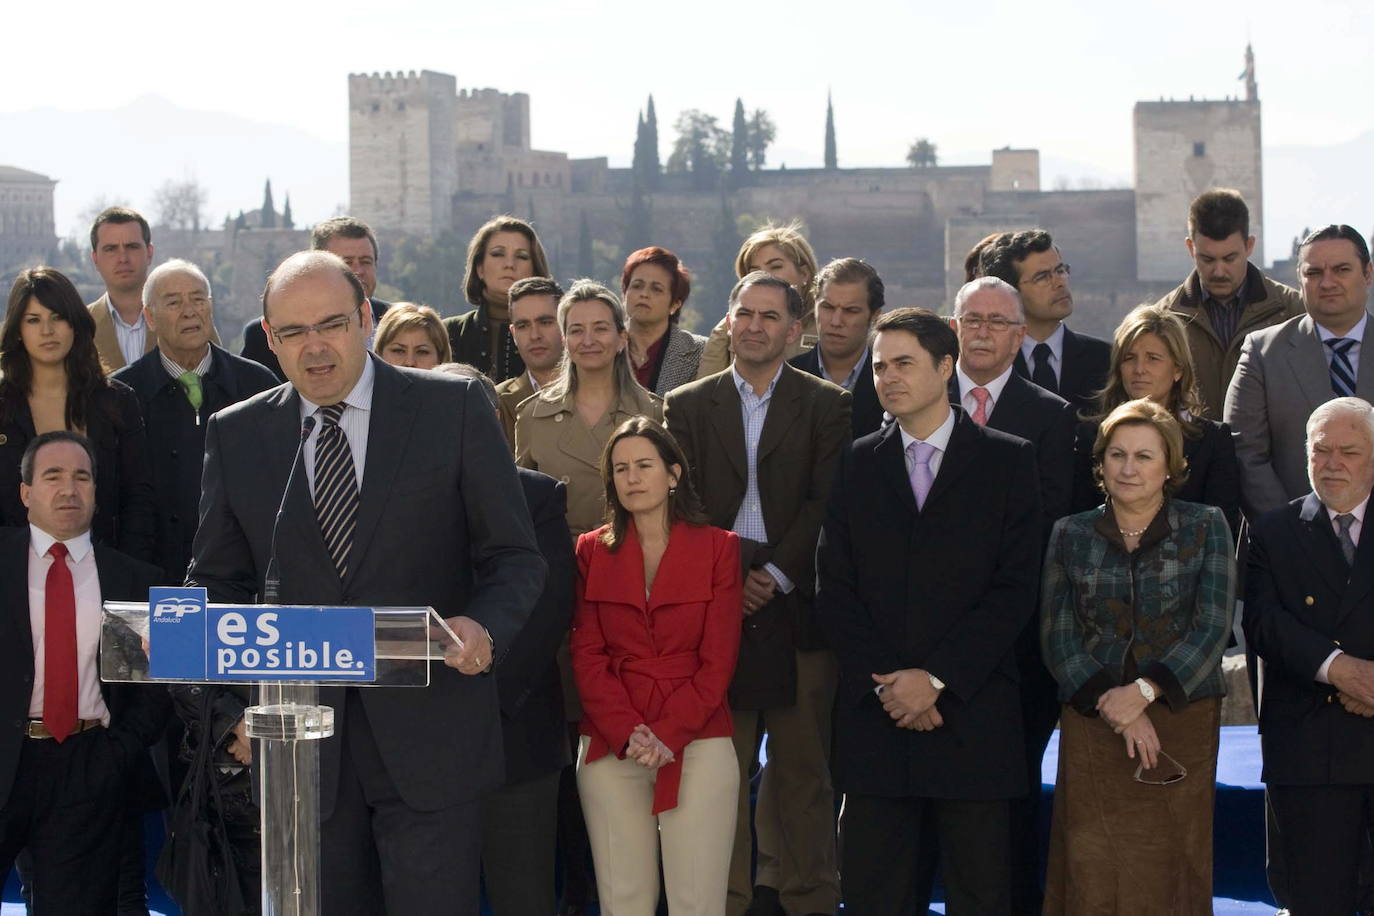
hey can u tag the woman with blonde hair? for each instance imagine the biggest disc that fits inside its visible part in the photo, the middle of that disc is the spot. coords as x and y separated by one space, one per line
413 336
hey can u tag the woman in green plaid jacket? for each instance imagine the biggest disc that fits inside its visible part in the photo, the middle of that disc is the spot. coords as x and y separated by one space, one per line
1136 611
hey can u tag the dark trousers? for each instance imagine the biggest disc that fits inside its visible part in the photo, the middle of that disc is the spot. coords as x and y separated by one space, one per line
1322 832
66 807
885 850
575 850
519 832
378 855
1039 713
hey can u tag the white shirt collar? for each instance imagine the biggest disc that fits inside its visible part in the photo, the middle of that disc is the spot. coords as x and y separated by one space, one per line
114 313
994 387
1358 512
1055 341
175 370
1355 333
744 386
360 397
939 438
41 542
847 383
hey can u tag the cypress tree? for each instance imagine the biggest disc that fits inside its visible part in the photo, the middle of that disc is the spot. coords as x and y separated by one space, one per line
831 161
739 147
651 160
269 211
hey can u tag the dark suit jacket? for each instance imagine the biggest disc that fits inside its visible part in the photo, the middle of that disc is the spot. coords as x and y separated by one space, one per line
138 713
1046 421
176 440
946 589
1087 360
255 340
866 414
807 426
125 514
441 522
531 693
1302 603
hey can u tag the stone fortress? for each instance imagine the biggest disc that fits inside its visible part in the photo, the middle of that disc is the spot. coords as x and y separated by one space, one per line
425 158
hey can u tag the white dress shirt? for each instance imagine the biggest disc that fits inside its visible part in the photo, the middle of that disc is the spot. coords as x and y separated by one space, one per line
1353 354
90 703
1324 672
847 383
132 338
353 421
939 439
994 388
1056 343
749 521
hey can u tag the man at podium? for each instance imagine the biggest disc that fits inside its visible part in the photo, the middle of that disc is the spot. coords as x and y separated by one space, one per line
403 496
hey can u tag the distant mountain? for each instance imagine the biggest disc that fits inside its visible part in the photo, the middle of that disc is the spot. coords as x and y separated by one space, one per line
127 152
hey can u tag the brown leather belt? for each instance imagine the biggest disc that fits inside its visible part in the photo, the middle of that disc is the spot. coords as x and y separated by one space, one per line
36 729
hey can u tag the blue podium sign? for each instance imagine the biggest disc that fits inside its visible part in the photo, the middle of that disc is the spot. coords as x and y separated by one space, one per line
188 639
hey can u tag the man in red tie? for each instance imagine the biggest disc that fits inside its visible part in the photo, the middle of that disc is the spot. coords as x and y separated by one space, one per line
73 756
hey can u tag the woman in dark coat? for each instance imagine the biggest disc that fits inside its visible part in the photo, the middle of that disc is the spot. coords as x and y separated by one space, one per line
51 378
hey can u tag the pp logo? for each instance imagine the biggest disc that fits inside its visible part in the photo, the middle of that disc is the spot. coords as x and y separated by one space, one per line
176 608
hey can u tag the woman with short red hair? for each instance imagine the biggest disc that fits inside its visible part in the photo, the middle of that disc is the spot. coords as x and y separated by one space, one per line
656 286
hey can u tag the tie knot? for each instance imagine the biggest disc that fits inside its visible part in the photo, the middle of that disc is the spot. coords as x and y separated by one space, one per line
1042 351
1345 520
982 395
921 452
189 378
1340 344
58 550
332 413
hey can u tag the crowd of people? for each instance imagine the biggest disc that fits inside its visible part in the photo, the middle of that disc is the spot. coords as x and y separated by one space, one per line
900 547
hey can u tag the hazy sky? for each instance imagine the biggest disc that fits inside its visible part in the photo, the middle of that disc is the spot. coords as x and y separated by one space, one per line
1061 76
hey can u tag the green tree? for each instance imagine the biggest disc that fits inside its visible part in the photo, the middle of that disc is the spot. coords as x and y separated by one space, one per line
286 221
831 159
180 204
762 132
586 255
651 161
739 147
425 269
269 211
639 221
922 154
702 148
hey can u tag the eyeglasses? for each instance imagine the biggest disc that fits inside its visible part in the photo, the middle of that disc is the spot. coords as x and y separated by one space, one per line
1161 775
333 329
1061 272
996 324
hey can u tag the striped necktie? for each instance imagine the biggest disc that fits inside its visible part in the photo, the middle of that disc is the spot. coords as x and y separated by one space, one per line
1342 372
336 487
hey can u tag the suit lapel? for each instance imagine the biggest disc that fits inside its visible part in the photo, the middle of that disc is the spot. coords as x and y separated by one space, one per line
1319 542
728 422
1008 406
1306 358
388 432
14 567
300 526
1364 381
1019 364
955 462
892 467
1361 577
106 341
1070 366
783 410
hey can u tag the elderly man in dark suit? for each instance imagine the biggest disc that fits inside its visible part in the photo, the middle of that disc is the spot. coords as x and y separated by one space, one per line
849 298
990 320
1073 366
180 384
762 439
927 570
412 494
1309 613
73 750
1286 371
354 241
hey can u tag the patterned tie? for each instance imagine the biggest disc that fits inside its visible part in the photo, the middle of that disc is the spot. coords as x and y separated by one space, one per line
921 475
336 487
1043 373
59 646
191 382
1347 542
982 396
1342 372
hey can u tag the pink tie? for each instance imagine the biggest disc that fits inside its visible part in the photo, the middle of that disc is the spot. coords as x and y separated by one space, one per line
921 475
982 396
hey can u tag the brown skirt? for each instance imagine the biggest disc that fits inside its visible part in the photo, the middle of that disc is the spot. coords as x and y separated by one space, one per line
1120 846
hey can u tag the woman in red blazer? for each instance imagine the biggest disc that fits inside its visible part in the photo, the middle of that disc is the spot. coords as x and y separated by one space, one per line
654 642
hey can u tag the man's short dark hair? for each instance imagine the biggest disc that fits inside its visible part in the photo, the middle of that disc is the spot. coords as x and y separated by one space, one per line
851 270
795 307
1219 214
119 215
1340 231
933 332
1002 257
973 267
57 435
535 286
348 227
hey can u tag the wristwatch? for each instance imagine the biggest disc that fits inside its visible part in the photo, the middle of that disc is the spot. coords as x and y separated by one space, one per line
1146 690
935 681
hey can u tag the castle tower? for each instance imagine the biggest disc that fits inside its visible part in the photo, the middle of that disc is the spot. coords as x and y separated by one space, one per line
1181 150
402 160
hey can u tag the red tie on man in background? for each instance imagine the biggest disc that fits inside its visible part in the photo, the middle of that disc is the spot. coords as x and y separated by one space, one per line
59 647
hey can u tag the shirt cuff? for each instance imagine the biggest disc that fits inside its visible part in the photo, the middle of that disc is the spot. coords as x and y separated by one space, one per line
1324 672
784 584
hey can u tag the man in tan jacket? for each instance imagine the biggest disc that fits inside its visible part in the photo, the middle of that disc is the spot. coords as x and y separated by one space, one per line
122 251
1226 297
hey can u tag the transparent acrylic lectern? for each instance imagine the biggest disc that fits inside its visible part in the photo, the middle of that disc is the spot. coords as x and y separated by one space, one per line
287 721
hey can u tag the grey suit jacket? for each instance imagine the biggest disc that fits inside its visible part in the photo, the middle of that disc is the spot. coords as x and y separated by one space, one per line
441 522
681 356
1283 376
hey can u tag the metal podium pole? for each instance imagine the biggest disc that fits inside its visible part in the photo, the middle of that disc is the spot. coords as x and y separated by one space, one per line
288 720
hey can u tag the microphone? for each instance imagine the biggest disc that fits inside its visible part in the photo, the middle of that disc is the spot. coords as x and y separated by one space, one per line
271 585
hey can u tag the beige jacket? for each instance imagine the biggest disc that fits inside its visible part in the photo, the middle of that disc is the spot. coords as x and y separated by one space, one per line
552 438
510 394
